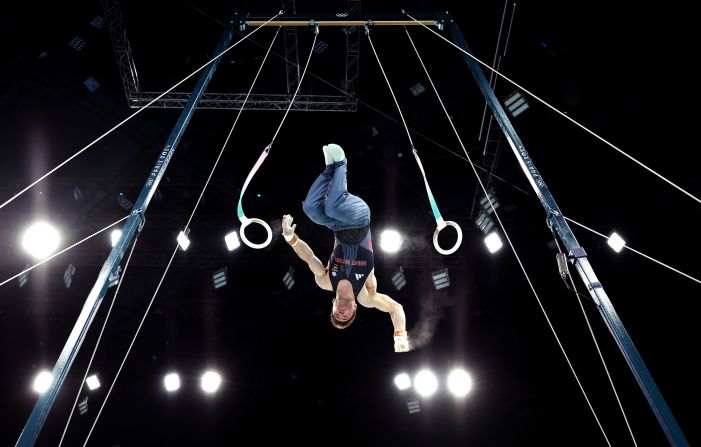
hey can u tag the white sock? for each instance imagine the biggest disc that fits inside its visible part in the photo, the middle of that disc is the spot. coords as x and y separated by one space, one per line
328 158
336 152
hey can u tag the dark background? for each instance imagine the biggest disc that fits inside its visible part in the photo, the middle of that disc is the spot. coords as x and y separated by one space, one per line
289 376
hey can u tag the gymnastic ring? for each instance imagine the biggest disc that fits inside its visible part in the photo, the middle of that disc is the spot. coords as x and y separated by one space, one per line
245 221
442 224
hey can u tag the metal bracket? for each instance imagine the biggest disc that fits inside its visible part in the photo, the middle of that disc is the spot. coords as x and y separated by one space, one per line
578 252
594 285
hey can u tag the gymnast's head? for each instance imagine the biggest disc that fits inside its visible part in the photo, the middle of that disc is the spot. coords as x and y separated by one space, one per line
344 307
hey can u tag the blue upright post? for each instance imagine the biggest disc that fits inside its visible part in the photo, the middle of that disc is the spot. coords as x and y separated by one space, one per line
36 420
576 253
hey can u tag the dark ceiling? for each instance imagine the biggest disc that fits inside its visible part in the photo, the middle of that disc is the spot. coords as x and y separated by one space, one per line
288 374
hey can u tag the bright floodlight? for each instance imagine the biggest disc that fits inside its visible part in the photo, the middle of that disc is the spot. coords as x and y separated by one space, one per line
459 382
43 381
493 242
171 382
232 241
425 383
40 240
210 381
402 381
93 382
183 241
115 235
616 242
390 241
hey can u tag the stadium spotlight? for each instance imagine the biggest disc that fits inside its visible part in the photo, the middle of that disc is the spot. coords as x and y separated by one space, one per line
41 240
171 382
516 104
83 406
402 381
414 406
210 382
289 278
493 242
398 279
441 279
425 383
459 382
220 277
616 242
115 235
183 240
43 381
390 241
93 382
232 241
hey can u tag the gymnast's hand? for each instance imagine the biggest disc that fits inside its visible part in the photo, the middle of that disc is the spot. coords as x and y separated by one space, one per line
288 230
401 341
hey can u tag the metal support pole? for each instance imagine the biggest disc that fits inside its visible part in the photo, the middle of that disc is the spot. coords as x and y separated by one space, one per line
352 51
122 48
41 410
291 52
576 253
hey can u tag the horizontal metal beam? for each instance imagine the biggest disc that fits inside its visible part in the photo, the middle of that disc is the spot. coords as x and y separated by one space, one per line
340 22
307 103
347 19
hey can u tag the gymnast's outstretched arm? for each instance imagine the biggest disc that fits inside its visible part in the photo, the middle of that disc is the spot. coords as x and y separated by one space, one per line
305 253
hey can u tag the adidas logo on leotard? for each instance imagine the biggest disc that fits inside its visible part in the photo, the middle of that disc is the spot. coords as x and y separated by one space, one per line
359 275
